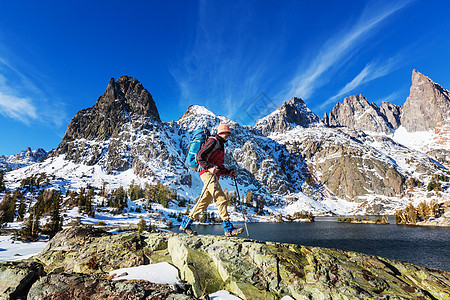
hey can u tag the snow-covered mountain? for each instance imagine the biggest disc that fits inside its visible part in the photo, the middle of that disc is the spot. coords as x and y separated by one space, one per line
291 114
290 158
22 159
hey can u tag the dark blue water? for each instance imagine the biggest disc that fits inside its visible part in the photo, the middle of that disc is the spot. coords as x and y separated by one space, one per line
426 246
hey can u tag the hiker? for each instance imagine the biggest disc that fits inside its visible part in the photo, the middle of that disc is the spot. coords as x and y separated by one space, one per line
210 159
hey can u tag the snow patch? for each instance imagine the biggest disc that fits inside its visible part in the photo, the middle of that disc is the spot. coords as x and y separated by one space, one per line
160 273
15 250
223 295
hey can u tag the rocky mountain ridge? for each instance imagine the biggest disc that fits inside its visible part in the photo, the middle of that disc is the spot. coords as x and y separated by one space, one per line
286 155
426 108
357 113
22 159
77 261
291 114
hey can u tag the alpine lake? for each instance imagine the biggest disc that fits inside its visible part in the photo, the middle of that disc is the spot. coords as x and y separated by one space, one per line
422 245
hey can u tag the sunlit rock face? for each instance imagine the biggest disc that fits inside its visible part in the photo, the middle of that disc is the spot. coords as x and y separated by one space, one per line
428 105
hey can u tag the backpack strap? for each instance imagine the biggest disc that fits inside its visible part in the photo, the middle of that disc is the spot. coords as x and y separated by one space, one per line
216 146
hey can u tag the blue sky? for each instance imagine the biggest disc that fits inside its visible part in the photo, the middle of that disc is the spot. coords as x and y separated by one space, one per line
240 59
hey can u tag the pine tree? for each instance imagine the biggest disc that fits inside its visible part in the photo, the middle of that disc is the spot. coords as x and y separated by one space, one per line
249 199
119 199
31 231
21 210
136 192
148 192
411 214
7 208
88 207
142 225
81 203
163 195
56 219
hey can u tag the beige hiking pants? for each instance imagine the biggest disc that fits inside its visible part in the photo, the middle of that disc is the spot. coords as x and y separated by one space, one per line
215 189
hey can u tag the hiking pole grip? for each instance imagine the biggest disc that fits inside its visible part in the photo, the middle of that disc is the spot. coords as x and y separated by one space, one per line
239 197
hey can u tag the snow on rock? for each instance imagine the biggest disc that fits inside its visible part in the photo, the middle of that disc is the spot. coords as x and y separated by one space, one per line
22 159
160 273
224 295
15 250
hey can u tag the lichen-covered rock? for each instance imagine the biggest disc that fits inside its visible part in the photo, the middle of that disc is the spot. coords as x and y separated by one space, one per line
84 249
257 270
16 278
247 268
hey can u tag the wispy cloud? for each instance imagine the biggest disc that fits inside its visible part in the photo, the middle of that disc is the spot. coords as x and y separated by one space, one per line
393 97
338 50
25 99
219 70
21 109
370 72
13 106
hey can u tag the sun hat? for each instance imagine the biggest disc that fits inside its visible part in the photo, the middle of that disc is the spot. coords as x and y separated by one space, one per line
223 128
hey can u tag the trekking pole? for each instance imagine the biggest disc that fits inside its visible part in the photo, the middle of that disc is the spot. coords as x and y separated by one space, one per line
243 214
201 196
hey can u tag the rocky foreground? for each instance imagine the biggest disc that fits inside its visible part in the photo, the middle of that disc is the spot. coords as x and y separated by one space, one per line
76 262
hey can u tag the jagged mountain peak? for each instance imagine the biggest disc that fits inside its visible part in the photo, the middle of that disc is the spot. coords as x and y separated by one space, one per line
356 112
122 101
23 158
135 99
418 78
294 101
197 110
356 99
197 116
292 113
427 106
124 105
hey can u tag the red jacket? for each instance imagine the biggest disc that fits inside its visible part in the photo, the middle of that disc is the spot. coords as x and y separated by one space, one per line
212 154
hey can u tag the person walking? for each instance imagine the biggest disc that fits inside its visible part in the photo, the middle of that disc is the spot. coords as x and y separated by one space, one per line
210 159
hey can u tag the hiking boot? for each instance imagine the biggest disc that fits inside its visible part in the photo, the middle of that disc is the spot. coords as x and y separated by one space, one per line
230 230
186 226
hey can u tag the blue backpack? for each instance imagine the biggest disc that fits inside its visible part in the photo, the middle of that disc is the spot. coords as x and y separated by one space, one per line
198 139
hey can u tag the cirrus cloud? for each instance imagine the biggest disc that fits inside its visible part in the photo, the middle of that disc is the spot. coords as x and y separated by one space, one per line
338 50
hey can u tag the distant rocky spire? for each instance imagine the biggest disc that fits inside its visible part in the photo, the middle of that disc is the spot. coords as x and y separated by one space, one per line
427 106
123 100
357 113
